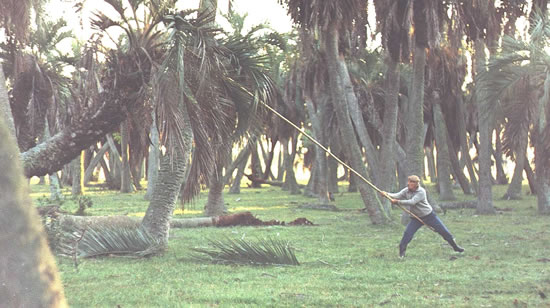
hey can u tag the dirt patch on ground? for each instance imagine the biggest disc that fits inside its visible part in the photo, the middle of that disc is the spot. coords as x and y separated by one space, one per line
247 219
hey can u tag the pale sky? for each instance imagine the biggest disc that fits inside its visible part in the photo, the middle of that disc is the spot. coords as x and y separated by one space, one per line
259 11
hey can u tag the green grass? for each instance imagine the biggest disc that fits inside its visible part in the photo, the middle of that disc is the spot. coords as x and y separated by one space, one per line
345 261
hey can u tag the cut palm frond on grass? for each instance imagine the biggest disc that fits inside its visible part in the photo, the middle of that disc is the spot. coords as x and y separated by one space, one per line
97 241
263 252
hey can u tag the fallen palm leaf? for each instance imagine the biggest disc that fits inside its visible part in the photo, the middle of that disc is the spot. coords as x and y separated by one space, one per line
263 252
109 240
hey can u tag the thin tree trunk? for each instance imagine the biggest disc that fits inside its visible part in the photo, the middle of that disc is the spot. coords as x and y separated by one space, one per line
290 183
502 179
236 185
94 162
458 171
215 205
443 157
338 69
255 164
55 188
153 160
514 189
126 185
530 176
431 164
464 148
28 274
78 184
316 116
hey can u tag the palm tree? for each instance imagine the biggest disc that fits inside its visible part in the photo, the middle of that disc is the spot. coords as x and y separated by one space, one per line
520 67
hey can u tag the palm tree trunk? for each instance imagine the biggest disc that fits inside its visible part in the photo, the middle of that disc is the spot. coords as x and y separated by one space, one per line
167 187
337 67
443 158
485 196
458 168
542 166
5 105
153 160
215 205
28 272
502 179
415 120
389 128
290 183
77 186
126 185
94 162
464 148
316 116
514 189
429 151
236 186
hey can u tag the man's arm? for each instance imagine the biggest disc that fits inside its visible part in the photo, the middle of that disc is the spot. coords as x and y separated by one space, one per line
398 195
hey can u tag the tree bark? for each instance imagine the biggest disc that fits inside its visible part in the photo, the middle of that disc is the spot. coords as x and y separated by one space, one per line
78 185
415 115
464 148
502 179
514 189
389 127
165 194
290 183
443 157
153 160
5 105
28 274
338 69
94 162
542 164
485 196
431 163
126 185
236 185
316 116
215 205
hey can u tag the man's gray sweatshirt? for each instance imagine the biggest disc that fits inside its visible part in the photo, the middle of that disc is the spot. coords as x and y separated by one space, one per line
416 200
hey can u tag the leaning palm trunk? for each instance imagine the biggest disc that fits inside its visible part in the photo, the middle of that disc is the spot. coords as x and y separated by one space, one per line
170 178
542 155
28 272
338 68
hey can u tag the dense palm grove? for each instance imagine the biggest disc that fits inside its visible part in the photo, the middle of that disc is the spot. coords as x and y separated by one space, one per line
462 85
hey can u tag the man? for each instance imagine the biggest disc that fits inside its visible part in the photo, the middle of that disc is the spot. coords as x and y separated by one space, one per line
414 196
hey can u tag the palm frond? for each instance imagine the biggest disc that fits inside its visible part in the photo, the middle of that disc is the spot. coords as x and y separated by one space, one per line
238 251
109 240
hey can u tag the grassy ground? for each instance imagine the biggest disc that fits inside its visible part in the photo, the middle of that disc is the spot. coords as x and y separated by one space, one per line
345 261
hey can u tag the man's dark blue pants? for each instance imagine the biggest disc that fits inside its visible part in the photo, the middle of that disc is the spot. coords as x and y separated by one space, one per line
431 220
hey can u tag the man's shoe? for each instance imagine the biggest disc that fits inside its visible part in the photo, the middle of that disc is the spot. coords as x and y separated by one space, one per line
455 246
